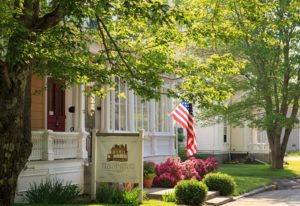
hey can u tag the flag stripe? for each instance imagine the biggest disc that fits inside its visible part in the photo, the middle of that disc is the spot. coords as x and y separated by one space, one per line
186 120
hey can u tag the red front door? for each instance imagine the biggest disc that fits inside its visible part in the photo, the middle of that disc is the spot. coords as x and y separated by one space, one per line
56 106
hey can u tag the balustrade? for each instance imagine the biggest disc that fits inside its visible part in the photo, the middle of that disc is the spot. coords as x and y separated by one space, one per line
259 148
49 145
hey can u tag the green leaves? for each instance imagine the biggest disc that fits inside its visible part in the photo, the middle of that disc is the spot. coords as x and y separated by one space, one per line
262 36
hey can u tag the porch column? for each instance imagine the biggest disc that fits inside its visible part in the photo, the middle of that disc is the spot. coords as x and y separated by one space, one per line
48 153
173 145
105 113
131 113
80 121
152 127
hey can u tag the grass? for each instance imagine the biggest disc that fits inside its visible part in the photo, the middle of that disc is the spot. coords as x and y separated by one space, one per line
295 153
145 203
249 177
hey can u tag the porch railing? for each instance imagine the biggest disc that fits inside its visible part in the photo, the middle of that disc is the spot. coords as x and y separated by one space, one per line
49 145
259 148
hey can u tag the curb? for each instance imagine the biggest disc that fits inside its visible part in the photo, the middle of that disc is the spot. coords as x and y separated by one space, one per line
253 192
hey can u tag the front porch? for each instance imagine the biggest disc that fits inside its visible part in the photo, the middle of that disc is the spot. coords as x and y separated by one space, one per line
55 155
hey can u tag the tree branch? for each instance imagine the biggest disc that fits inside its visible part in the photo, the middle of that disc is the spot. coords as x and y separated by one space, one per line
116 46
294 113
4 70
50 20
104 43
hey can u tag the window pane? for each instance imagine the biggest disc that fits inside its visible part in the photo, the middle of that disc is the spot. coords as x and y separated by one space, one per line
119 106
141 114
161 114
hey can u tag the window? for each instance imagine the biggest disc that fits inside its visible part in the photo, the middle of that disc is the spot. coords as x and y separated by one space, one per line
225 132
141 110
119 106
262 136
162 114
128 112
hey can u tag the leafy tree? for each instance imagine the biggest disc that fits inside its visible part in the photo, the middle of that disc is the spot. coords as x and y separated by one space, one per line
265 35
53 38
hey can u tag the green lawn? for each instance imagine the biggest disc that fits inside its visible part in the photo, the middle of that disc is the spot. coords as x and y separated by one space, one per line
295 153
145 203
249 177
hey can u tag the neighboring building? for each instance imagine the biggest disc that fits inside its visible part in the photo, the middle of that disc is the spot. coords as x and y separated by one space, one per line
236 143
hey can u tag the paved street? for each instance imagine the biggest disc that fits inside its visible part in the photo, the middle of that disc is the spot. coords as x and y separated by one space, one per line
290 197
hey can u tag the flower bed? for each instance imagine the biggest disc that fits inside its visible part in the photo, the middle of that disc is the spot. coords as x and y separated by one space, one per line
173 170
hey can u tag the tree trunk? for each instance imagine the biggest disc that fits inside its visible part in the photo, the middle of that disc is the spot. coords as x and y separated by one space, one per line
15 131
277 159
276 153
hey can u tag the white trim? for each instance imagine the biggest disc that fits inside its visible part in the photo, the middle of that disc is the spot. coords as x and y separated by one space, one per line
46 102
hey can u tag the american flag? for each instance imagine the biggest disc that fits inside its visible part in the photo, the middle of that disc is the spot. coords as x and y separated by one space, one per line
183 115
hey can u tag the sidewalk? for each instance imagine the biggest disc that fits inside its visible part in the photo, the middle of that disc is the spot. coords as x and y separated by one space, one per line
286 195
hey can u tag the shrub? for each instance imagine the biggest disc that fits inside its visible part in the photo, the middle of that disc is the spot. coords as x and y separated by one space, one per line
191 192
131 197
180 137
211 164
220 182
108 194
182 152
149 169
52 192
168 173
169 197
173 170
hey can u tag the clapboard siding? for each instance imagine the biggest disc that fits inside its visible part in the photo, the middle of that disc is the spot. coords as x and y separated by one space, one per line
37 103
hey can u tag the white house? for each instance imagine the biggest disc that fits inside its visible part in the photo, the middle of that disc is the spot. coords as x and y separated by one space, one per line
226 142
61 121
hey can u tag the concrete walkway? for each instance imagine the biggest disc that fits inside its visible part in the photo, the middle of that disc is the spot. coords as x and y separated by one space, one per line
290 197
288 194
293 158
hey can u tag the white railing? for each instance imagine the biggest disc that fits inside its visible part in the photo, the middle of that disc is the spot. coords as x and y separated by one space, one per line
259 148
49 145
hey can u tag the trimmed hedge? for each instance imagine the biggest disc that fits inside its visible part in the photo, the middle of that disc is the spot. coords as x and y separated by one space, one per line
223 183
191 192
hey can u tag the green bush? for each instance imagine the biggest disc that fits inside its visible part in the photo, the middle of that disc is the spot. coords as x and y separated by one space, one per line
109 194
223 183
169 197
180 137
52 192
149 169
182 152
191 192
131 197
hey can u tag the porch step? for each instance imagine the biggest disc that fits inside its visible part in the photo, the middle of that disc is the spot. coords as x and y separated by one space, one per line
212 194
157 193
219 200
